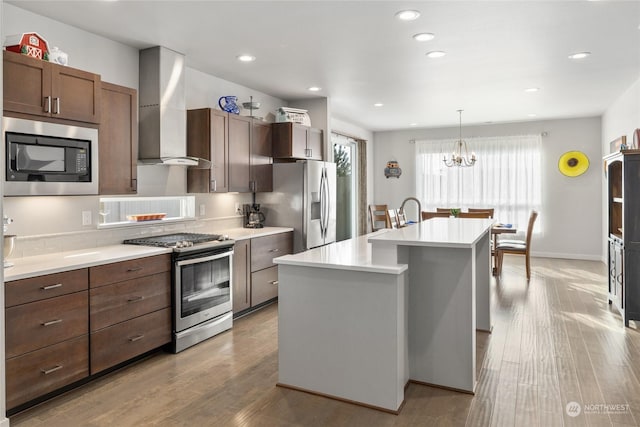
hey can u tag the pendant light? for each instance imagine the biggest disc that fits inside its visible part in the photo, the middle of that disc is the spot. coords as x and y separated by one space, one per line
460 153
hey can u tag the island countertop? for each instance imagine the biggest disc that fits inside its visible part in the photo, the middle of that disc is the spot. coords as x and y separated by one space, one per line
441 232
351 254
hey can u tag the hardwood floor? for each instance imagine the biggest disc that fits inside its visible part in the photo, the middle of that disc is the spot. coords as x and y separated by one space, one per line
554 341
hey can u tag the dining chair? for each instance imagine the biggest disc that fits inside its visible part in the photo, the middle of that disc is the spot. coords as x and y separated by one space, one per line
447 210
481 214
380 218
428 215
490 210
393 217
517 247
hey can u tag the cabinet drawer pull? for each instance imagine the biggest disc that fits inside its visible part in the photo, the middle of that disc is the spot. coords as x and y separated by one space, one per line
51 370
133 269
136 338
51 322
136 298
274 282
47 104
274 250
46 288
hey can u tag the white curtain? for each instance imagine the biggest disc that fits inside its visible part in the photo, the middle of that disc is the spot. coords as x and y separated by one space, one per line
506 177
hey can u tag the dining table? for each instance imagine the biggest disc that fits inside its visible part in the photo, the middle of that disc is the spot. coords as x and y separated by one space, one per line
495 231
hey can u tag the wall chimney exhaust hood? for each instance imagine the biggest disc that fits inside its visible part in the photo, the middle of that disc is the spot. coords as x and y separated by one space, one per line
163 114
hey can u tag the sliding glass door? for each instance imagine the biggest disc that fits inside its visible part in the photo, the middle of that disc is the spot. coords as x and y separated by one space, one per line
344 155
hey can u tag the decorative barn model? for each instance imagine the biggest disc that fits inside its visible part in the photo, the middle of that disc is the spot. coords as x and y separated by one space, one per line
30 44
392 169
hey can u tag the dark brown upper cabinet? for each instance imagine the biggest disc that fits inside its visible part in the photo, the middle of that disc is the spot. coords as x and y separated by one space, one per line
295 141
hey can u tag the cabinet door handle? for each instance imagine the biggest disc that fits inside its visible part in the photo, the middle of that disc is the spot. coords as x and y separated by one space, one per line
274 250
47 104
136 338
133 269
57 111
51 322
48 287
213 185
135 299
134 184
51 370
308 152
274 282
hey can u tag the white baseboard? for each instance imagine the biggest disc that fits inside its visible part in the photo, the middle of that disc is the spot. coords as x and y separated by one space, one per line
583 257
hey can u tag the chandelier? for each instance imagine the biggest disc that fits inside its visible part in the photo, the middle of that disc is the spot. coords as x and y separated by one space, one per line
460 155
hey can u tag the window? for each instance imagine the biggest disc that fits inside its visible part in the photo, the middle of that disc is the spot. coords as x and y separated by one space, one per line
506 177
121 211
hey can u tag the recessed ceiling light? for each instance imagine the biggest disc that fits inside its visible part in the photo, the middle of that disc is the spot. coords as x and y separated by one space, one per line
407 15
378 104
436 54
314 89
532 89
246 58
423 37
579 55
413 124
532 115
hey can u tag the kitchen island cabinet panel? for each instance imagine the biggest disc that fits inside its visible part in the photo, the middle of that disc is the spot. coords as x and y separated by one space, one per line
42 323
41 88
123 341
42 287
39 372
241 275
118 136
119 271
125 300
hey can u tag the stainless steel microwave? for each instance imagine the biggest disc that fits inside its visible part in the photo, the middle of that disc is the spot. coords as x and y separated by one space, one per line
44 158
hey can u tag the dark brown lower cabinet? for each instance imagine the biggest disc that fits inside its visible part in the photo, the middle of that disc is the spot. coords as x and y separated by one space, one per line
125 306
241 275
126 340
42 371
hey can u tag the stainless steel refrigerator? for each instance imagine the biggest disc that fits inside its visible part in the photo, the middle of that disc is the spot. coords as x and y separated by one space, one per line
303 197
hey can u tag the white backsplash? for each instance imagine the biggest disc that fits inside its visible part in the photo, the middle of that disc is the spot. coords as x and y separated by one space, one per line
77 240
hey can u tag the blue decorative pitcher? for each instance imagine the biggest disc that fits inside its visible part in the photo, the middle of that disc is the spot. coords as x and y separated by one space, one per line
228 104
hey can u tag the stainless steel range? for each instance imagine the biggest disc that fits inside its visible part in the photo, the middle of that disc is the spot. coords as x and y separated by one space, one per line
202 280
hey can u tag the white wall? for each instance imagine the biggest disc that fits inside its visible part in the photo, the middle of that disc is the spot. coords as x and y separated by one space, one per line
571 214
621 118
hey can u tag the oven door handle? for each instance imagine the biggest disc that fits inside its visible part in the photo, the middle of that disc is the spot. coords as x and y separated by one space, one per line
203 259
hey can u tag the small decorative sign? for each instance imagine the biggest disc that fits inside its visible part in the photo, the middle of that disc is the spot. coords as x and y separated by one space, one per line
392 169
30 44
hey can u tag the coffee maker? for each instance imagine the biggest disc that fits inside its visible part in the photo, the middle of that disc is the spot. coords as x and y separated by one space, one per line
253 218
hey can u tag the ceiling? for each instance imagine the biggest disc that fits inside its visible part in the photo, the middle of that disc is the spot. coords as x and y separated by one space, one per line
360 54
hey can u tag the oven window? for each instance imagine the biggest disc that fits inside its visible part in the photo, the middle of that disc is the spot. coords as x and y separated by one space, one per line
205 285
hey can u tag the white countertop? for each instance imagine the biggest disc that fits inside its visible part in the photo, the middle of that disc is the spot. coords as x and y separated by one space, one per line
72 260
64 261
352 254
251 233
441 232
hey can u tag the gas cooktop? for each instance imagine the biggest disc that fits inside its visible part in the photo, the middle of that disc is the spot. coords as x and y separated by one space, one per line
181 242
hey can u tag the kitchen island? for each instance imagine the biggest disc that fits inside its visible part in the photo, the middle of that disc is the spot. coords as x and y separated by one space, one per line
361 318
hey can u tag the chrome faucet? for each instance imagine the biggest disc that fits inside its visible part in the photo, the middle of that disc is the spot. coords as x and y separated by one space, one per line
419 206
